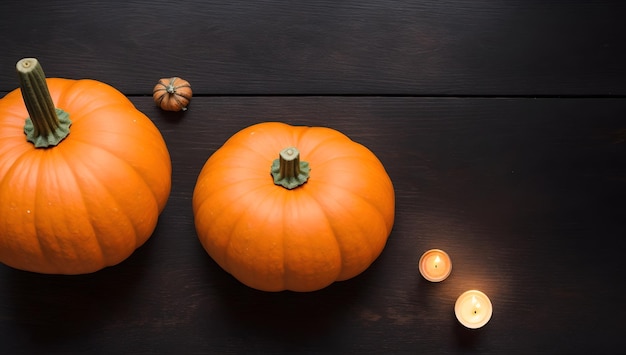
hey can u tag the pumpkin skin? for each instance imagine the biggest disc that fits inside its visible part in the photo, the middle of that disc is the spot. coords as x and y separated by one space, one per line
90 201
270 238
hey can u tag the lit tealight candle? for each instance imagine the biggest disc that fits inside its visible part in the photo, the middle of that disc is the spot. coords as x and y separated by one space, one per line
435 265
473 309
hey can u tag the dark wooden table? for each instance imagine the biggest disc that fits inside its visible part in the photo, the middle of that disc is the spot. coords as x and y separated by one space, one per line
501 123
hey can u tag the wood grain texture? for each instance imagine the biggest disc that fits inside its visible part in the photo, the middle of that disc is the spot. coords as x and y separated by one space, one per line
454 47
526 195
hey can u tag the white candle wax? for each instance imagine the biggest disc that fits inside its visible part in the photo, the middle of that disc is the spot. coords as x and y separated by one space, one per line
473 309
435 265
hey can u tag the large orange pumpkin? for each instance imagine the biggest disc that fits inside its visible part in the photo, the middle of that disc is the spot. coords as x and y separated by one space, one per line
75 199
285 224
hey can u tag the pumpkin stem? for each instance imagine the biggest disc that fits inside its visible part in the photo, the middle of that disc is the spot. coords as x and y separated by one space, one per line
288 171
170 88
47 126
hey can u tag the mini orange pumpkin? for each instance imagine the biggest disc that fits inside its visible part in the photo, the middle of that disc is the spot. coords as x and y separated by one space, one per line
172 94
284 224
76 202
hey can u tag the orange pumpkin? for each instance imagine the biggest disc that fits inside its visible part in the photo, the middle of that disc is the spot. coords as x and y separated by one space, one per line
285 224
76 199
172 94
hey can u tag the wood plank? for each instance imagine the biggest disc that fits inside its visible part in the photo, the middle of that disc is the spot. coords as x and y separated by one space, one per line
527 196
454 47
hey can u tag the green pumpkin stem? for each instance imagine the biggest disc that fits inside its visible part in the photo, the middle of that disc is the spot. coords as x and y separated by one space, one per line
288 171
47 125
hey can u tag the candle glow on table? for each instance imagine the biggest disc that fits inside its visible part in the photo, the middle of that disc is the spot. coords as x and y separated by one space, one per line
435 265
473 309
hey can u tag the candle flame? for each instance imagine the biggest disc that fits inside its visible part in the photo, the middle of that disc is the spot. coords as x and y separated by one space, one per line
476 305
437 261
